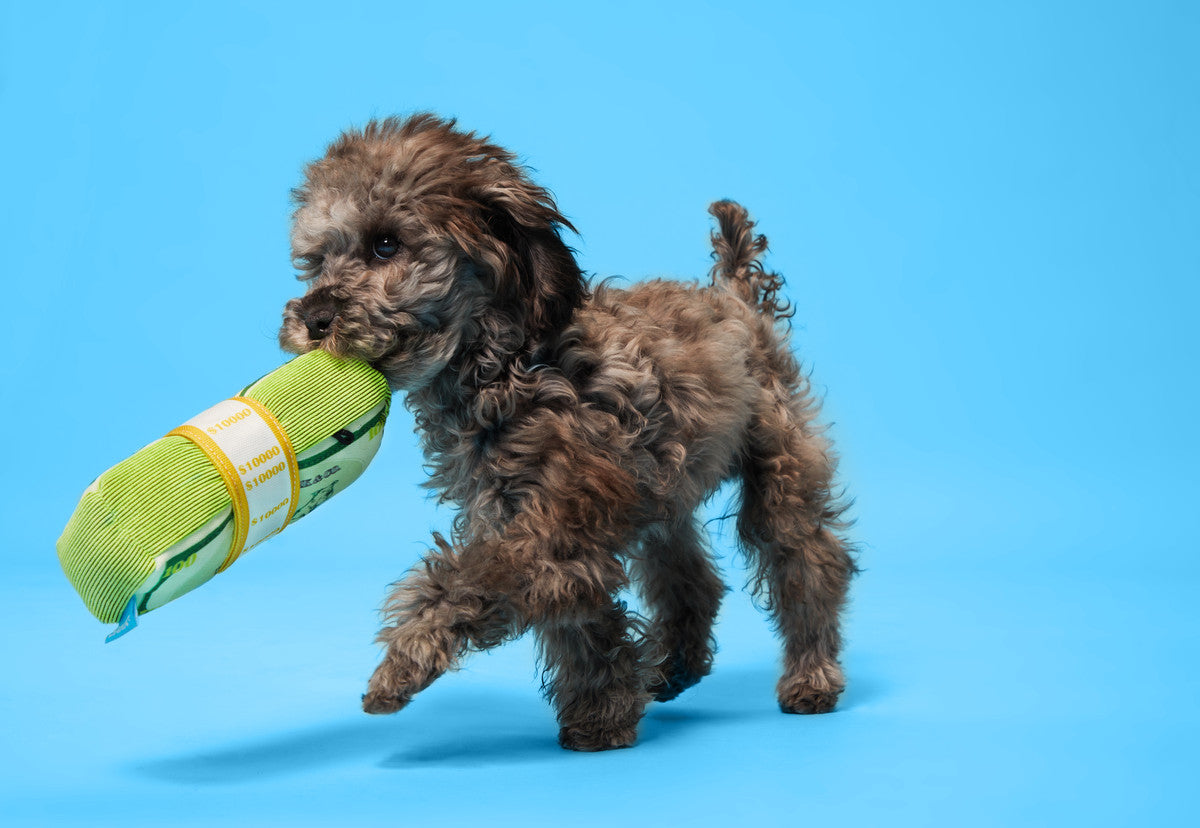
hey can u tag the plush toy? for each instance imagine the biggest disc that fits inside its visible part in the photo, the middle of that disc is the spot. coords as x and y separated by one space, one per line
183 508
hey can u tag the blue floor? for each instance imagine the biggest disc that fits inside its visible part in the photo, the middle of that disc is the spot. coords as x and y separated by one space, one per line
987 218
1006 693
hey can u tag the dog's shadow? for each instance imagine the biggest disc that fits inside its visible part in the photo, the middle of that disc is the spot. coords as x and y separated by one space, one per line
470 728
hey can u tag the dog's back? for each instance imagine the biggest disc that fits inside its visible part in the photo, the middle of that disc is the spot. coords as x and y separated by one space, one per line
686 367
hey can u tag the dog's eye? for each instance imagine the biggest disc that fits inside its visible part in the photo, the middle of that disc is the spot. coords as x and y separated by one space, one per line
385 245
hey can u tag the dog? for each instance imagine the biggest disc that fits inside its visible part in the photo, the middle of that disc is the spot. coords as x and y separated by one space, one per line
576 430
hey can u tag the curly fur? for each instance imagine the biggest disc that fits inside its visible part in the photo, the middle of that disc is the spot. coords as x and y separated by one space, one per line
576 431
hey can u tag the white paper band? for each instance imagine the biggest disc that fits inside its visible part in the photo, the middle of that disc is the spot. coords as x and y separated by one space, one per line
253 454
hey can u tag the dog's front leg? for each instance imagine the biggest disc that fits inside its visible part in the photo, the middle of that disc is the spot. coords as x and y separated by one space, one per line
474 598
448 604
553 564
477 596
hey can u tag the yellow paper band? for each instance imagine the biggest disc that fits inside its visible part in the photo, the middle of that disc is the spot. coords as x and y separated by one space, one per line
233 484
288 450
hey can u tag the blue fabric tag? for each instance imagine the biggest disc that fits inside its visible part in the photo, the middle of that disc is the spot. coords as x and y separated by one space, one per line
127 622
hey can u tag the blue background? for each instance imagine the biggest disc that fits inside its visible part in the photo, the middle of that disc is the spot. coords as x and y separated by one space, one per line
987 215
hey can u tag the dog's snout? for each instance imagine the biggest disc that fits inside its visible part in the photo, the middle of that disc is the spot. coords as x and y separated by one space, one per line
319 319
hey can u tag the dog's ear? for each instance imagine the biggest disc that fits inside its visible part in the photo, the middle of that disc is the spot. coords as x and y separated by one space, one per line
539 281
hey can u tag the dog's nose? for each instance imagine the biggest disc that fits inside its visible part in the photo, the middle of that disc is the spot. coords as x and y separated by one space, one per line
319 320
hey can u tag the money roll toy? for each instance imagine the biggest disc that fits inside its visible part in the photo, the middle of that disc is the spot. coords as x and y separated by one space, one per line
164 521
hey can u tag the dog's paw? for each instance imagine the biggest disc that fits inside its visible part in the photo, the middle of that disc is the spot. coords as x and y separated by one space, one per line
390 689
815 693
808 701
677 675
396 680
674 685
376 701
591 739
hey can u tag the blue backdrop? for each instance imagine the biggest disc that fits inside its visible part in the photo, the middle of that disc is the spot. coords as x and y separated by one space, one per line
987 215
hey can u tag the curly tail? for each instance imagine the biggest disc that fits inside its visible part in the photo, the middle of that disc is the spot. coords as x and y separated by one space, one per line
736 250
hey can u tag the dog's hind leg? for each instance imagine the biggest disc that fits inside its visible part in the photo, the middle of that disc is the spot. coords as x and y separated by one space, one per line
682 589
594 678
789 524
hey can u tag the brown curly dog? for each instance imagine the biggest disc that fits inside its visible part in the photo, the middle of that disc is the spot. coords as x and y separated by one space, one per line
577 431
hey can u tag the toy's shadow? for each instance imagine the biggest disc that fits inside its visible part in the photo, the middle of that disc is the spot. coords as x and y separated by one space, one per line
279 755
473 728
468 727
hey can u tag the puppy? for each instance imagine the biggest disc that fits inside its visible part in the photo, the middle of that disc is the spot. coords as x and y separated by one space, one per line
576 431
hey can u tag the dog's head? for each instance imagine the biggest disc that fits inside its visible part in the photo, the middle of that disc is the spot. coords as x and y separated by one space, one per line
427 248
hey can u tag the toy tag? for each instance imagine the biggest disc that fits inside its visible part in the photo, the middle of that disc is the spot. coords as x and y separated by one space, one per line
127 622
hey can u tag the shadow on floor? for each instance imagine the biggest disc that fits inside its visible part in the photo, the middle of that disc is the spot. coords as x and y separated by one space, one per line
474 728
461 724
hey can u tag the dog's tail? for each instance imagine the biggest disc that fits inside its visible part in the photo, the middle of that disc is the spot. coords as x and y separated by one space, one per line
736 250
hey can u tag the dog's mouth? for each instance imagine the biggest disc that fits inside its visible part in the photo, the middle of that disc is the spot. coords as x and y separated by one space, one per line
337 334
406 348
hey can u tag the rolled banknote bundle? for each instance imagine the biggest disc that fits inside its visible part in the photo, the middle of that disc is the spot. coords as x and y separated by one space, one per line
165 520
